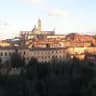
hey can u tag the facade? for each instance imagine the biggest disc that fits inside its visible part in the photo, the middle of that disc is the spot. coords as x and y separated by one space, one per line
80 52
47 54
51 43
4 43
5 54
91 58
41 54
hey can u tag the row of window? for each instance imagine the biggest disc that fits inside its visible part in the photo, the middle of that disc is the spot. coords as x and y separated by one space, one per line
48 57
23 53
49 52
35 53
5 53
43 52
9 53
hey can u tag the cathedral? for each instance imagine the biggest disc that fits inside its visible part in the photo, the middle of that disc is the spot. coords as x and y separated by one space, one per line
37 33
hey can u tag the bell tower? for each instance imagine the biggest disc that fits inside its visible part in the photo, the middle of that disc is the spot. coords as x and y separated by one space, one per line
39 25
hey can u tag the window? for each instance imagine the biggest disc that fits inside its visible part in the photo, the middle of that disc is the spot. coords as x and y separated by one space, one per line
41 53
9 53
24 52
60 57
52 56
5 53
38 53
1 54
55 56
59 51
45 57
47 45
52 51
33 53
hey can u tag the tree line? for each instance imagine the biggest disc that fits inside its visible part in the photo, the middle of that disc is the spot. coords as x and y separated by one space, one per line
62 78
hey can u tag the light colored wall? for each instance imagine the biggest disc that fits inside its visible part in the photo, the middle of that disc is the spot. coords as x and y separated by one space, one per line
47 55
41 55
79 50
55 36
6 58
24 53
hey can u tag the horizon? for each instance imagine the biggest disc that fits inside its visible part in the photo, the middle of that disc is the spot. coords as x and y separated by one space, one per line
65 16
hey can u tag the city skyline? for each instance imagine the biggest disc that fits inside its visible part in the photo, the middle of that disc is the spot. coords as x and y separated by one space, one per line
65 16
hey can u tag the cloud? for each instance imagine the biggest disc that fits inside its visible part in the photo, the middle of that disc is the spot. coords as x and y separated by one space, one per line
35 2
56 12
3 24
8 31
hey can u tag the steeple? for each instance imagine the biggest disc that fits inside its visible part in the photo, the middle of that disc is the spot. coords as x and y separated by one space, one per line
39 25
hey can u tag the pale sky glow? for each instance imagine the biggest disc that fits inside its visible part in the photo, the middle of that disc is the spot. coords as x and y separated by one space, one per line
64 15
56 12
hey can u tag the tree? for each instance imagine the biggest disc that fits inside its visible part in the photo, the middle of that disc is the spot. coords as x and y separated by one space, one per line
31 68
0 62
16 60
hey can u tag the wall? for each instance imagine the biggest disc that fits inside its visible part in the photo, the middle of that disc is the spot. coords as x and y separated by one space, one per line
6 58
46 55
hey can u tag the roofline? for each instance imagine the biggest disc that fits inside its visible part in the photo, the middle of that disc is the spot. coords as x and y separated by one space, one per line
46 48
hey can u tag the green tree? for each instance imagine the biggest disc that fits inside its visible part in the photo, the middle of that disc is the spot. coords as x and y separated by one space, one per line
16 60
31 68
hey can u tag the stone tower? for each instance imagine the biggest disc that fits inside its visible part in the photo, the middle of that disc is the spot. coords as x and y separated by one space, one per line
39 26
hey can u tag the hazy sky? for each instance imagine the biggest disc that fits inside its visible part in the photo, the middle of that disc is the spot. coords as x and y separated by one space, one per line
63 15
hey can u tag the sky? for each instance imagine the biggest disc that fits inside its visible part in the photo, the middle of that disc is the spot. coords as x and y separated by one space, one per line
65 16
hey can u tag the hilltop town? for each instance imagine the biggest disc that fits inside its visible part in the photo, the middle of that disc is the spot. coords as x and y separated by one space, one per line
43 63
46 45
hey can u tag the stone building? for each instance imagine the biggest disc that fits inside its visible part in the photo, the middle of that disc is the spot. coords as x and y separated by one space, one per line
41 54
47 54
38 33
5 54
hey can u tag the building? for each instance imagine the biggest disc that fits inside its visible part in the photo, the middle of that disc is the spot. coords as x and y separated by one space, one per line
5 54
47 54
41 54
91 58
38 33
4 44
46 45
80 52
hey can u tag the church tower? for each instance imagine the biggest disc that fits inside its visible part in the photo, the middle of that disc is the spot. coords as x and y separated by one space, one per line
39 26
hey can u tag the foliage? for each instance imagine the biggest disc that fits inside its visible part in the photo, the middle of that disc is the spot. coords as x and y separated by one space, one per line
16 60
61 78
